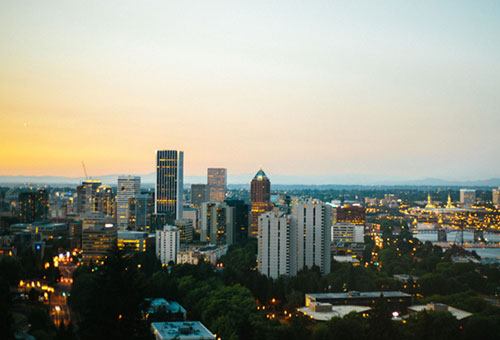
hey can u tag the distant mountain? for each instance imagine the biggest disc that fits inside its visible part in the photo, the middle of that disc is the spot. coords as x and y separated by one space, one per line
244 179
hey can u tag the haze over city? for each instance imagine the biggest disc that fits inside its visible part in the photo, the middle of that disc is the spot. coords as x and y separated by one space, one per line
393 88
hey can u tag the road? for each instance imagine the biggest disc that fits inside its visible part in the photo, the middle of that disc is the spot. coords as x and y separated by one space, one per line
59 310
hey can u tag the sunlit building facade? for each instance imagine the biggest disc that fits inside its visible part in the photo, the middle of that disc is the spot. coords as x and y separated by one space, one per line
169 186
217 184
467 197
260 201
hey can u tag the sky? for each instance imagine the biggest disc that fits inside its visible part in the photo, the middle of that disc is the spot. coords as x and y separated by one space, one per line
401 88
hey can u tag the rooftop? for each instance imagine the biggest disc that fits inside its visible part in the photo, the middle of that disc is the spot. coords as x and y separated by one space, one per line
339 311
260 175
355 295
457 313
188 330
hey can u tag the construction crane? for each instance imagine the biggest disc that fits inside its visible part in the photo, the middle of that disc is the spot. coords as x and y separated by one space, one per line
85 171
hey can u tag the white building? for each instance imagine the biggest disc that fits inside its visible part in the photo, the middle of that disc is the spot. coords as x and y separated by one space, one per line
496 197
181 330
468 197
276 245
347 233
128 187
168 243
312 221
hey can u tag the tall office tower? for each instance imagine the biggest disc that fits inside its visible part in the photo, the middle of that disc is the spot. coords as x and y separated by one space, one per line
127 188
169 189
217 223
168 244
199 194
240 219
86 193
277 240
217 184
496 196
260 200
353 214
468 197
313 221
33 205
140 210
105 200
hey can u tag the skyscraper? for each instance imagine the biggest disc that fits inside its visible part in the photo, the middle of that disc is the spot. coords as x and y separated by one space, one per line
217 184
105 200
169 188
86 194
468 197
260 200
128 187
312 220
199 194
276 245
217 223
496 196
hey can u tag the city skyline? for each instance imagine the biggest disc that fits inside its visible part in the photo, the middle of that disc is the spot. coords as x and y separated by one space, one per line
394 89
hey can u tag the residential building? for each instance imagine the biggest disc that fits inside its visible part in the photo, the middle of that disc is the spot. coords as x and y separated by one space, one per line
168 243
312 221
128 187
496 197
217 184
169 186
260 201
186 230
347 233
217 223
276 245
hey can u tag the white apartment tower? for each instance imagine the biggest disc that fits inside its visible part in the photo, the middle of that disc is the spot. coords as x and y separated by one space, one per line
312 220
168 243
128 187
276 245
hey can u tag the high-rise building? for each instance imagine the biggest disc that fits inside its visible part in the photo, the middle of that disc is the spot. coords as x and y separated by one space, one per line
313 221
217 184
169 186
128 187
217 223
276 245
240 219
186 230
468 197
140 211
199 194
496 197
86 194
105 200
168 243
260 200
33 205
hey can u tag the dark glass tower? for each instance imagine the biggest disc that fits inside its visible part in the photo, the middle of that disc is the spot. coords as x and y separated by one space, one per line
169 188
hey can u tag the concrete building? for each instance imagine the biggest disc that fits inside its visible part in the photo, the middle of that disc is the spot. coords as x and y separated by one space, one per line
86 194
312 221
168 243
97 239
105 200
181 330
217 223
398 301
186 230
128 187
217 184
276 245
192 215
323 311
496 197
199 194
210 254
353 214
160 307
169 186
260 201
134 241
467 197
439 307
347 233
33 205
140 211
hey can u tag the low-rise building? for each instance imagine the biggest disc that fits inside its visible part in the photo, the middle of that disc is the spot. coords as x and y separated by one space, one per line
323 311
160 308
439 307
183 330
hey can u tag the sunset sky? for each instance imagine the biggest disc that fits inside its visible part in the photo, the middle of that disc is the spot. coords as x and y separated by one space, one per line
406 88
